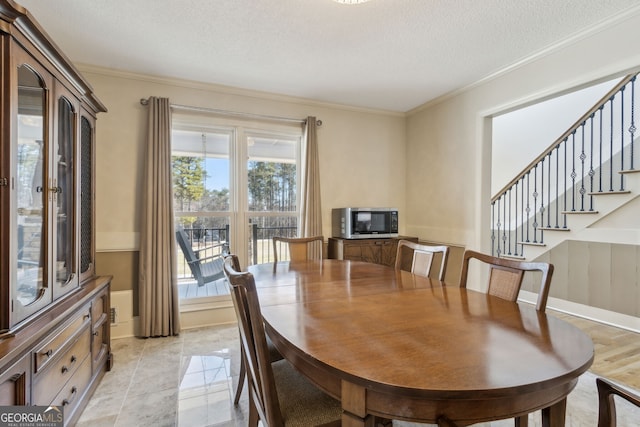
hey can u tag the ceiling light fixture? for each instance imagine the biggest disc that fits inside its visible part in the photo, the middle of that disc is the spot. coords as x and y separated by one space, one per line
350 1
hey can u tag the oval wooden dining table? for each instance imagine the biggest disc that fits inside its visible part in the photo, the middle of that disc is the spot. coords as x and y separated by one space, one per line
395 345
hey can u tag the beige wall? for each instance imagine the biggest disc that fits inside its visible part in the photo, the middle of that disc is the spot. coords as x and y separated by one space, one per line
449 163
362 153
601 275
434 164
448 141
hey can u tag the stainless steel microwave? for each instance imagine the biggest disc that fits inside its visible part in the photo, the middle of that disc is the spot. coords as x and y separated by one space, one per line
364 223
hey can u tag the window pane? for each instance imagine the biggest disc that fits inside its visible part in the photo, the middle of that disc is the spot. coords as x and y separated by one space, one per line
200 171
272 174
200 163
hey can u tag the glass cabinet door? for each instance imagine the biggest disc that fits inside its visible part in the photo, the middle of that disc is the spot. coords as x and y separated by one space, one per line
30 282
63 197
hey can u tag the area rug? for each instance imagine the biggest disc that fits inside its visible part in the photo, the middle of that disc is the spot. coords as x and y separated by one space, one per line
582 409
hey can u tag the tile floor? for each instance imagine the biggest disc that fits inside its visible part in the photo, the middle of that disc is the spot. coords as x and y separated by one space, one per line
189 381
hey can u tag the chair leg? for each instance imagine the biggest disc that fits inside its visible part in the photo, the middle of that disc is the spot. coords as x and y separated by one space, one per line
254 418
241 378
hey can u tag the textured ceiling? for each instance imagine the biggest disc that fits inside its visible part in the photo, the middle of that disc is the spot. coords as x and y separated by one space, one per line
384 54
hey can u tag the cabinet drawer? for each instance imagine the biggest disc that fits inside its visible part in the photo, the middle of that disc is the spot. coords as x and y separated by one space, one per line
48 351
48 381
70 395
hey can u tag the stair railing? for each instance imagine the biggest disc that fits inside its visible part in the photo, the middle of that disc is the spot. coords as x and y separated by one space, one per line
562 180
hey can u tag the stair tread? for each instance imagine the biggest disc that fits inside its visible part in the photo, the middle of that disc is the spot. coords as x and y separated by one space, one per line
519 257
579 212
554 229
532 243
604 193
629 171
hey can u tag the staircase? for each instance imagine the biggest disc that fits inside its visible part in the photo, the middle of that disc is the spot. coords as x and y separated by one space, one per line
581 224
591 172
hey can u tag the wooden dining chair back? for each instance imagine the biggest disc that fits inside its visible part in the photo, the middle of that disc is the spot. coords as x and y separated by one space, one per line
278 395
419 259
506 275
299 248
607 390
274 355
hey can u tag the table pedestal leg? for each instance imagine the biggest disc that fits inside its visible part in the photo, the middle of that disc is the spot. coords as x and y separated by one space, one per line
354 406
522 421
554 415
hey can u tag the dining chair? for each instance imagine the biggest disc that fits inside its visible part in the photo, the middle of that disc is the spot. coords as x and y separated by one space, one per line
299 248
505 281
505 276
278 394
421 259
606 404
274 354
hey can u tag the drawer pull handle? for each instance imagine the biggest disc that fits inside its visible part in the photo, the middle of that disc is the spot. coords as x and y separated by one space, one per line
64 369
96 333
73 359
48 353
74 390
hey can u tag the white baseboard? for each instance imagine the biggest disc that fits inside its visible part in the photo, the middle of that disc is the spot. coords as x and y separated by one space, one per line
623 321
197 314
123 325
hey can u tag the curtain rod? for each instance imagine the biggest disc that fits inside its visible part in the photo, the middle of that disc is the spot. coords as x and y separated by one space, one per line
234 113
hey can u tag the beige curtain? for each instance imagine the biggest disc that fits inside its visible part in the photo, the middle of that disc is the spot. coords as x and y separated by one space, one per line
159 305
311 209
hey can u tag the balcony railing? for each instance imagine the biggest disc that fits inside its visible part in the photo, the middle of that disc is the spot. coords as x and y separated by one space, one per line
217 240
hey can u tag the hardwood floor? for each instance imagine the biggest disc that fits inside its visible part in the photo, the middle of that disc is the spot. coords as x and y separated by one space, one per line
617 351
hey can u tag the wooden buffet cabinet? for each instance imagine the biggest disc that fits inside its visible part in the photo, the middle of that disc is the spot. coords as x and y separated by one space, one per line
54 310
378 251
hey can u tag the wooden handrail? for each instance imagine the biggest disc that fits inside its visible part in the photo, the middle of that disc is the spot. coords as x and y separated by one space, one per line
565 135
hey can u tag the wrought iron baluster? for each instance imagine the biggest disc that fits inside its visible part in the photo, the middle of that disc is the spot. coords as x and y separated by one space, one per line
504 226
622 132
549 192
522 212
528 208
600 174
611 146
535 204
515 225
632 127
591 171
583 156
573 172
566 189
493 228
498 226
542 208
510 225
557 185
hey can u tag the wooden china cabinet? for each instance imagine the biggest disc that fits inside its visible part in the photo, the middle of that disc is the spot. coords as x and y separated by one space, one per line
54 310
